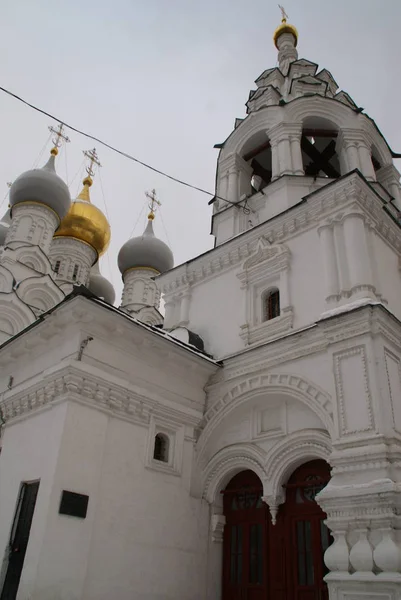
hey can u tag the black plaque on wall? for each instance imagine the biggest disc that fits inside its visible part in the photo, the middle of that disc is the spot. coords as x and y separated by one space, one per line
75 505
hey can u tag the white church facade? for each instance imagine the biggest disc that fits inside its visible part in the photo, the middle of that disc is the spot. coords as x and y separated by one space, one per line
245 445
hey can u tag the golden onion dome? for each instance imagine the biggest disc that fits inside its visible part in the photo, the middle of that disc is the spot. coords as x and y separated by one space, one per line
285 27
85 222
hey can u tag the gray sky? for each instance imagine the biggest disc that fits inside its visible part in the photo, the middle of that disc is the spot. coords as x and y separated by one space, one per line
164 80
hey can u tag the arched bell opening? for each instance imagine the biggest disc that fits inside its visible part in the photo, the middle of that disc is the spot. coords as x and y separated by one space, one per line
258 155
376 161
319 149
285 560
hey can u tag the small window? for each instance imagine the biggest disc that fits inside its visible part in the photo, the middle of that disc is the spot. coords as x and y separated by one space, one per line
161 448
75 272
272 305
57 266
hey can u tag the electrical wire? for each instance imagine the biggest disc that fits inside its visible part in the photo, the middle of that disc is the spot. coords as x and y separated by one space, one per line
66 162
108 218
69 183
35 164
164 227
137 221
125 154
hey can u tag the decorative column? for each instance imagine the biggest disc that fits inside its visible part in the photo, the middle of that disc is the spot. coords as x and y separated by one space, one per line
184 308
285 140
232 185
358 255
326 235
215 553
32 223
389 177
365 159
279 137
358 152
352 155
296 153
170 304
275 160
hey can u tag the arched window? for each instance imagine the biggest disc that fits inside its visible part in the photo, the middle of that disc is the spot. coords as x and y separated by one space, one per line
271 305
161 447
75 272
57 266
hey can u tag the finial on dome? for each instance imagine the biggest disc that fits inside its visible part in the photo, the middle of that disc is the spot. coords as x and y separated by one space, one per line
90 169
284 27
59 139
153 204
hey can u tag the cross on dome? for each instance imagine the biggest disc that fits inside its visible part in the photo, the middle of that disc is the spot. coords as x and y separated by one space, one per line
59 139
284 15
93 160
152 204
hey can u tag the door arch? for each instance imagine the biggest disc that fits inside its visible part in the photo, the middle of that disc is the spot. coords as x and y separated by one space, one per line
263 561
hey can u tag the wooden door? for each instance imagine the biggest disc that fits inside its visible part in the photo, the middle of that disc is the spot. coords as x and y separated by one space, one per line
19 539
245 539
307 535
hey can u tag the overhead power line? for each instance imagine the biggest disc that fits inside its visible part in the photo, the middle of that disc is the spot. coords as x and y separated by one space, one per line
244 206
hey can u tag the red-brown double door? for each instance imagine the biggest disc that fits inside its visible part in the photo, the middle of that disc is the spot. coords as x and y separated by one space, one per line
275 562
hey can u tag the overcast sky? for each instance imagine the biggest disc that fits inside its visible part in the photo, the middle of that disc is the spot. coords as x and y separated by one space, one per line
164 80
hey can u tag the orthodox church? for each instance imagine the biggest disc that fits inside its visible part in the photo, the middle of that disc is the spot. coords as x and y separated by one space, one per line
246 443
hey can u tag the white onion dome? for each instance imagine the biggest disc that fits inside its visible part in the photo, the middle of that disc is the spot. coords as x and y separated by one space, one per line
42 186
4 227
145 251
100 286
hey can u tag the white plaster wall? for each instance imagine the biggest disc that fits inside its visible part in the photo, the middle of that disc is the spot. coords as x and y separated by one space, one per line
29 452
66 545
144 537
217 308
217 312
389 275
158 546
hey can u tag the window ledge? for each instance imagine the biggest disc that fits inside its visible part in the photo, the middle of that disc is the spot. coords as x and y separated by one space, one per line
162 467
268 329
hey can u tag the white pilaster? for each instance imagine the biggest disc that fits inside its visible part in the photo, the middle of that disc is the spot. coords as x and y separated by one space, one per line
358 255
296 154
184 308
365 159
326 234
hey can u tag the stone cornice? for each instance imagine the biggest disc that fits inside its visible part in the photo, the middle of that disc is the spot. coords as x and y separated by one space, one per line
72 382
329 202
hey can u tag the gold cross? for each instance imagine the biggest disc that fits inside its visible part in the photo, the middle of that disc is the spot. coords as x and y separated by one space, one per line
152 204
284 15
59 139
93 160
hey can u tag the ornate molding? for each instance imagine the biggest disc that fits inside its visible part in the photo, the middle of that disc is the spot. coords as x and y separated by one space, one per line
73 383
293 385
338 358
217 524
